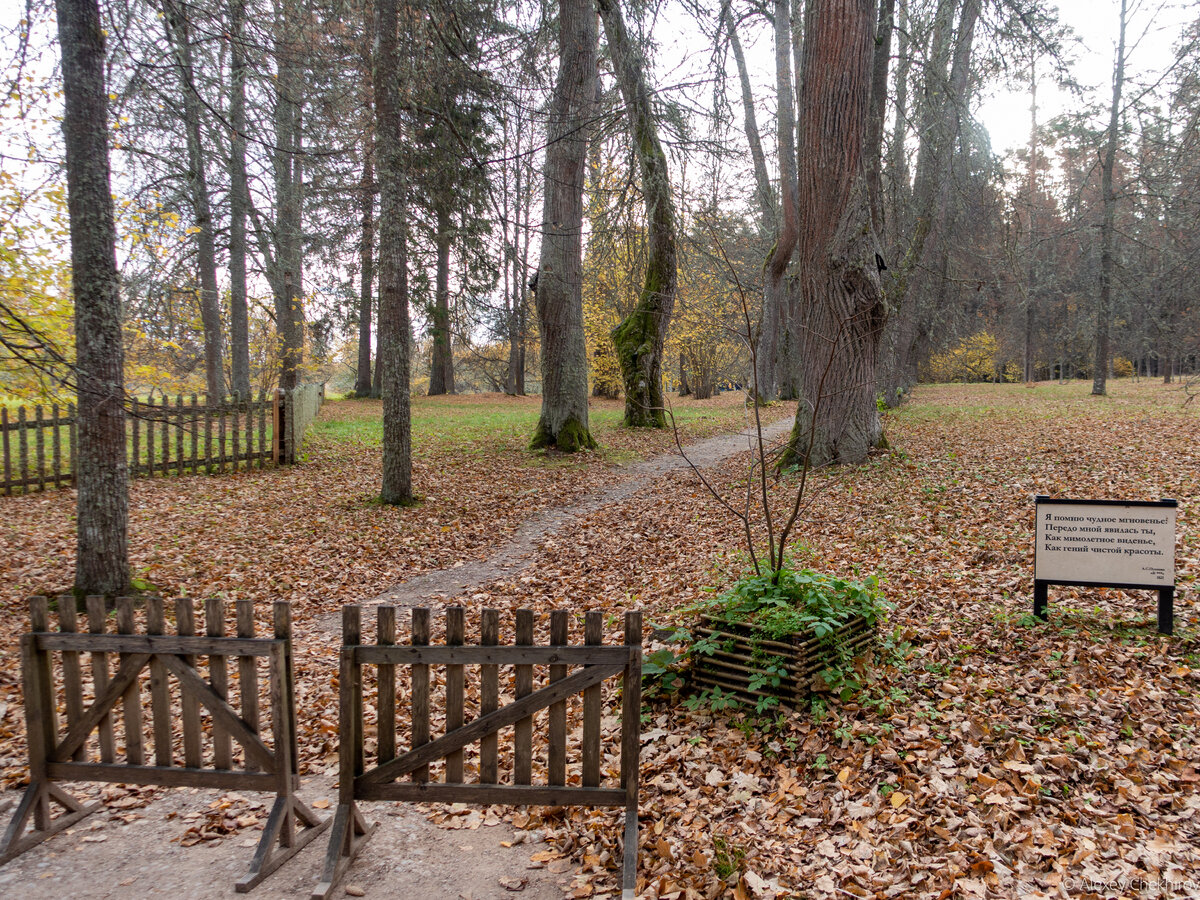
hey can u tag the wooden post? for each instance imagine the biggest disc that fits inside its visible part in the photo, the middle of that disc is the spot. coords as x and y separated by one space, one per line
277 428
195 420
150 455
282 620
97 616
218 675
135 462
557 763
1041 593
180 458
489 697
631 731
4 429
523 731
420 689
386 637
40 716
160 690
185 624
131 701
23 447
56 423
74 436
455 635
593 634
237 409
222 415
72 673
248 672
40 443
165 408
207 434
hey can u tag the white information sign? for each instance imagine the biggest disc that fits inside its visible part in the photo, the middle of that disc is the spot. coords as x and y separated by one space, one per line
1108 543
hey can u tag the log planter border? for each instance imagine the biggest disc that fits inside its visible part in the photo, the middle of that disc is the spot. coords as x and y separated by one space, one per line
743 649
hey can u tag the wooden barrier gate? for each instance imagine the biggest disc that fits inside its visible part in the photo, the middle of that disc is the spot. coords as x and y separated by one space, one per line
174 683
594 663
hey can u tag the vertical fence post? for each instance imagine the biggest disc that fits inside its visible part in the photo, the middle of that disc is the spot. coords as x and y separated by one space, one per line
160 689
262 429
180 458
185 624
4 429
97 617
277 428
631 742
135 462
420 690
40 443
386 726
248 672
68 623
557 763
455 635
489 697
131 701
23 447
207 412
218 675
55 424
40 708
74 437
150 455
165 407
523 732
593 634
195 426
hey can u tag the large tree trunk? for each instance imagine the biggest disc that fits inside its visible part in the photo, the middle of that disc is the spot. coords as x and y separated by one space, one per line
101 469
1031 271
441 372
1107 228
842 308
392 356
366 250
179 34
875 123
640 338
239 203
559 300
776 357
289 244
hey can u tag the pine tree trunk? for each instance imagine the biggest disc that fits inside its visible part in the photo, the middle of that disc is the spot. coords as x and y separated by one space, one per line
640 337
842 310
392 356
441 372
558 298
366 249
101 468
239 202
1107 225
179 34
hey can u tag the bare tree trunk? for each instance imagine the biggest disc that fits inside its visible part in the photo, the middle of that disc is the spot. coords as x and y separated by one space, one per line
640 338
289 289
441 373
774 366
179 34
564 418
1031 187
101 469
875 124
843 311
239 202
366 250
1107 225
392 356
763 192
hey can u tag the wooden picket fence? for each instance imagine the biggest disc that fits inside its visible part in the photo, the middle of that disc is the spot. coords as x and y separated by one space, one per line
204 732
411 775
224 434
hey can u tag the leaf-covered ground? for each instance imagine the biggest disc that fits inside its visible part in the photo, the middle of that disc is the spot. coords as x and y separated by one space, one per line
990 756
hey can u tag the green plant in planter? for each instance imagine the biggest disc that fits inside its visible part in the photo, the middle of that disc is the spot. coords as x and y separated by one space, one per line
791 602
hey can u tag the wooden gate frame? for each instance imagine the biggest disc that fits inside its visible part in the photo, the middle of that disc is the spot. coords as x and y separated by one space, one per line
57 757
596 663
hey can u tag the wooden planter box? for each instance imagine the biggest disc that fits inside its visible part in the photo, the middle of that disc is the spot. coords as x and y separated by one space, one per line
742 651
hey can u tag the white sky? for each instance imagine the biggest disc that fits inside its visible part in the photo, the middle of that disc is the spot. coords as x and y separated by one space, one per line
1151 34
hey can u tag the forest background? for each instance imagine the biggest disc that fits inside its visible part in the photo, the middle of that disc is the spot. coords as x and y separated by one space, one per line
993 257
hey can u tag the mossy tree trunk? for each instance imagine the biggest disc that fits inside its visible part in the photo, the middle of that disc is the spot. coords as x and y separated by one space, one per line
639 338
841 297
101 468
559 292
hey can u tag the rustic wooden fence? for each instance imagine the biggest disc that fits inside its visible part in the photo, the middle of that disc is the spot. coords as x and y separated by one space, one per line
216 435
221 748
408 776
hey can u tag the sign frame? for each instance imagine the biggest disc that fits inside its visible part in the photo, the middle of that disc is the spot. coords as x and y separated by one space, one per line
1166 593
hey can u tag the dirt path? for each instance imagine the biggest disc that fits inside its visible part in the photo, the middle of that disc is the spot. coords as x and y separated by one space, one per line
518 552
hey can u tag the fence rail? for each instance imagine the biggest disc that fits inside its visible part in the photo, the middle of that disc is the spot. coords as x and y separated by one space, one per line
211 435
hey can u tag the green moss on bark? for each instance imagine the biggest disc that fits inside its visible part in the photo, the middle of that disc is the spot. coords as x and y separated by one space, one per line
572 437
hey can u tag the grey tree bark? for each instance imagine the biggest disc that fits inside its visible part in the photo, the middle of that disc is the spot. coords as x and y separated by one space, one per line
774 360
289 179
239 202
101 468
441 372
392 356
640 337
1107 229
763 192
563 422
366 254
842 309
178 31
